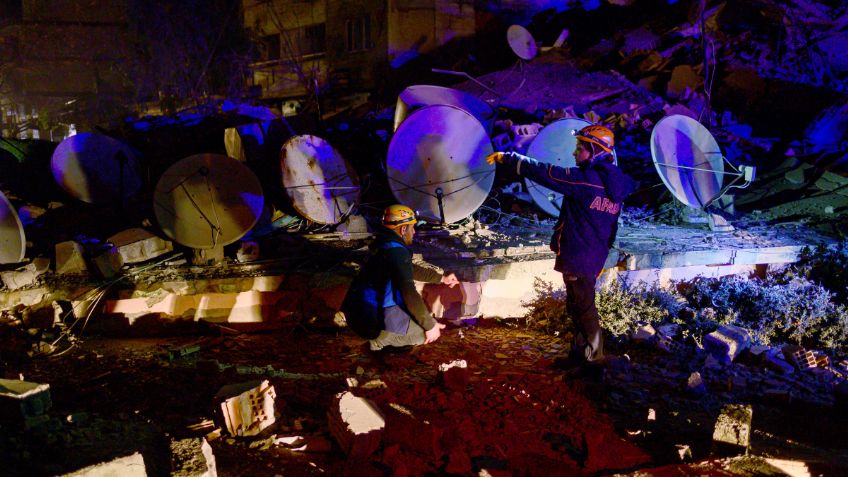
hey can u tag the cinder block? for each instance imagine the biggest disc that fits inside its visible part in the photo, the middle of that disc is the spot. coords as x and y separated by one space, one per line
21 401
799 357
192 458
128 466
70 258
356 423
246 408
733 428
138 245
727 342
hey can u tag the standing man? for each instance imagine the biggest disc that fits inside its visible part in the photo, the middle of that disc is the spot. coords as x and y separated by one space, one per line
585 230
382 304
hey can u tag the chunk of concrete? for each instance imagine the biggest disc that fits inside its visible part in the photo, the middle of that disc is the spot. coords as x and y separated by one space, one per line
246 408
26 275
108 262
21 402
356 424
138 245
727 342
454 375
192 458
70 258
128 466
733 428
799 357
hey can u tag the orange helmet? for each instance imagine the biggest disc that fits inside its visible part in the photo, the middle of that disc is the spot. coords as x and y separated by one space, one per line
396 215
597 134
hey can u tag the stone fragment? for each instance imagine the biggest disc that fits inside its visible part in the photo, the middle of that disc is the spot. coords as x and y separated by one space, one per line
128 466
70 258
22 402
727 342
695 385
138 245
246 408
26 275
733 428
356 424
644 333
192 458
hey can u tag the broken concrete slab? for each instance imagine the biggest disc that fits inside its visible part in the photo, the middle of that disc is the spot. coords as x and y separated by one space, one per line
70 258
22 402
138 245
246 409
26 275
128 466
192 458
732 431
356 424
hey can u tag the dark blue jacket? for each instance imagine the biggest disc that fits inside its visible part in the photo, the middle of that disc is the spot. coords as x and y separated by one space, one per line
386 280
588 219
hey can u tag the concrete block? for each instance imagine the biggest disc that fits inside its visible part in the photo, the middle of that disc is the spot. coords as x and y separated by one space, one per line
799 357
108 263
644 333
727 342
192 458
138 245
70 258
128 466
733 428
246 408
21 401
356 424
26 275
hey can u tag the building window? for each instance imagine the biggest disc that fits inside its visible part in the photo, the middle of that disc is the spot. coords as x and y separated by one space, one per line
269 48
358 33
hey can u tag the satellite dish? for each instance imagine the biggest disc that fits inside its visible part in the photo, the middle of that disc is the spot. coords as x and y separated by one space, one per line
437 163
522 42
555 145
242 142
12 238
207 201
96 168
690 163
418 96
321 185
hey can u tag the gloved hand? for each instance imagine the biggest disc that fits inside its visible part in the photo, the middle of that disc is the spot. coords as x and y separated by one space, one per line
495 157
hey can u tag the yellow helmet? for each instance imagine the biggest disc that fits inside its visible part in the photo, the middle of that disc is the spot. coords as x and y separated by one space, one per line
396 215
597 134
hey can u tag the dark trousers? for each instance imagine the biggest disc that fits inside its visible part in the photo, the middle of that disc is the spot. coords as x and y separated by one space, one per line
588 342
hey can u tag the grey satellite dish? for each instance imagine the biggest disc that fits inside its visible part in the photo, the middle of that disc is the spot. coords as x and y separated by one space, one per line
322 186
437 163
415 97
690 163
12 237
241 142
96 168
207 201
554 145
522 42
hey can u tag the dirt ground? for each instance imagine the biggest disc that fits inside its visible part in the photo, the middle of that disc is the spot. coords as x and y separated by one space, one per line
511 414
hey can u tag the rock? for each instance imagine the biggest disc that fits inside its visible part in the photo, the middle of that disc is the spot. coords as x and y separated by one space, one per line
733 428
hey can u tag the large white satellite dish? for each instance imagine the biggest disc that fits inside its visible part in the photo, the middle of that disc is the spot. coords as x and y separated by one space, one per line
12 237
554 145
207 201
690 163
322 186
418 96
96 168
437 163
522 42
